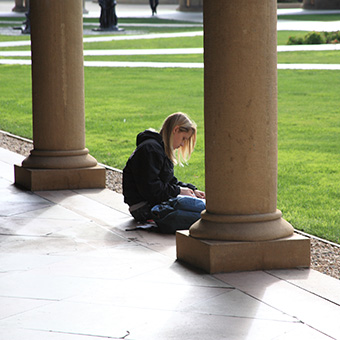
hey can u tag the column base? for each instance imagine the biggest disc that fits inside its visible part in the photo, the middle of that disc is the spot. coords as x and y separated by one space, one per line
60 179
224 256
258 227
19 9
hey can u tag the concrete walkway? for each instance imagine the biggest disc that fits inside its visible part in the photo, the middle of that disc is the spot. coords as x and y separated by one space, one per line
74 267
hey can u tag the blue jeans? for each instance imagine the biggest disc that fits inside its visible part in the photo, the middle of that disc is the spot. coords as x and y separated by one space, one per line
178 213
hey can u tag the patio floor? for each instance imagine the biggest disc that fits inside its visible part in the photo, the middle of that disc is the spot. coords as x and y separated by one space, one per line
71 268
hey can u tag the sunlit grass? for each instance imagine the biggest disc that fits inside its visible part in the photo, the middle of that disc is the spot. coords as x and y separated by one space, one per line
309 57
121 102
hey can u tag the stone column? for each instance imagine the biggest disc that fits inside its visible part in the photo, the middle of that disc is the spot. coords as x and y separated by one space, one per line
240 111
59 159
190 5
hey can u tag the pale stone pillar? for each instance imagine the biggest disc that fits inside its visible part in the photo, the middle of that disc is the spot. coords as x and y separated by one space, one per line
240 111
190 5
59 159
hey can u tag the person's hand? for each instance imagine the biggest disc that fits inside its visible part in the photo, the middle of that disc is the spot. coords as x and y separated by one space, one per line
187 192
199 194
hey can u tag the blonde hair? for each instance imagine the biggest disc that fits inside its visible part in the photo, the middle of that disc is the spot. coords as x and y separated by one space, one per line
185 125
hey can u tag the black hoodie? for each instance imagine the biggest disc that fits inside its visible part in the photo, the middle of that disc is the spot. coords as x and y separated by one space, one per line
149 173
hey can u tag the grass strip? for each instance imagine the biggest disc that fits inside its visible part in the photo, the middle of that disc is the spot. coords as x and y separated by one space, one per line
309 57
310 17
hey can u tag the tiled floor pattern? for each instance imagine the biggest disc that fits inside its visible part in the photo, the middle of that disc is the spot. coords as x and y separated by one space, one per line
70 270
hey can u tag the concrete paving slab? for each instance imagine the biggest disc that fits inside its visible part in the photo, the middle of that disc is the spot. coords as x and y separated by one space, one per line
311 280
19 262
29 334
234 303
182 275
106 197
7 172
149 295
302 331
282 295
85 206
14 201
16 206
43 245
14 306
161 243
34 285
119 262
131 323
10 157
53 211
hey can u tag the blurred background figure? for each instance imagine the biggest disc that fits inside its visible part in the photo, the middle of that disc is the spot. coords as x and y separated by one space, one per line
153 5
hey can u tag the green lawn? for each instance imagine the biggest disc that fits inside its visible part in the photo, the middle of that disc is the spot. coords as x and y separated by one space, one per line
120 102
282 36
16 100
309 157
311 17
306 57
188 42
177 58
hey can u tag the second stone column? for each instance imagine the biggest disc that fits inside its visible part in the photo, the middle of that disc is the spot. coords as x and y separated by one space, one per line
240 113
59 159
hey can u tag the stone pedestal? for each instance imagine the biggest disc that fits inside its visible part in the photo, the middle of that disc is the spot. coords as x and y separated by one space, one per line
240 111
223 257
58 101
56 179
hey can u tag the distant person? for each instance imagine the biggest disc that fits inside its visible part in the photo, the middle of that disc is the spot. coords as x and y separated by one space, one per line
153 5
149 186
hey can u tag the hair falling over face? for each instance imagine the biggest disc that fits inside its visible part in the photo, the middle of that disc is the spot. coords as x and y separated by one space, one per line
184 124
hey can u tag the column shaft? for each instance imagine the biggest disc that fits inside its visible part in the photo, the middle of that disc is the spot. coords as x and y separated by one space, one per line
58 86
58 95
57 75
240 86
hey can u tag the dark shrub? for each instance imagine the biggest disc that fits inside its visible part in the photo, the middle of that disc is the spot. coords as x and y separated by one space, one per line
295 40
314 38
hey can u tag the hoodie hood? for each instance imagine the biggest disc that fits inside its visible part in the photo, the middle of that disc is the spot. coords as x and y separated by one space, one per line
148 134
